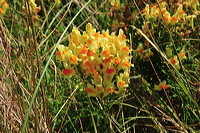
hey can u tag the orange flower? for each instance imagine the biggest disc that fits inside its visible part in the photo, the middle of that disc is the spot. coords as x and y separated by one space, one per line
127 64
1 10
58 53
121 83
125 49
96 35
106 53
117 61
84 50
90 53
174 19
89 42
90 90
104 34
110 90
73 60
181 12
174 60
181 55
123 37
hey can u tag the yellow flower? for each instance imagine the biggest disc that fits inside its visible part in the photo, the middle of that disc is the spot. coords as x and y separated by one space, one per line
121 35
34 9
116 61
140 50
87 64
85 37
91 91
168 52
112 49
124 64
146 12
121 84
99 89
108 74
174 61
154 11
75 37
148 53
109 89
3 7
124 51
105 38
115 3
90 30
167 17
73 60
161 86
62 53
126 75
174 19
97 79
180 13
105 53
194 4
191 18
181 54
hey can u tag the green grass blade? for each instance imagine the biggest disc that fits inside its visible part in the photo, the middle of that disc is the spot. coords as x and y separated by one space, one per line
45 68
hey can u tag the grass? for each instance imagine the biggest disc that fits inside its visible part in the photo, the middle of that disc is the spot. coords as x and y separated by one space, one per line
35 96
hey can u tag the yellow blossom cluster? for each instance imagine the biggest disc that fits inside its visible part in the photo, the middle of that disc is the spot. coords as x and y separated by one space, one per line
160 12
174 58
101 58
3 7
33 8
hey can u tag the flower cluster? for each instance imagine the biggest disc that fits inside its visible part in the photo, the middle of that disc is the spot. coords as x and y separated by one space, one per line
173 58
101 58
160 12
3 7
34 9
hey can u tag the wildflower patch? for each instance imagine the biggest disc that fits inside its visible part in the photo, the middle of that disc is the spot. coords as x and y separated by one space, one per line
100 57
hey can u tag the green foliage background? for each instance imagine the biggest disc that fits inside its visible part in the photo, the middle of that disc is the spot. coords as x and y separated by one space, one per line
61 104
